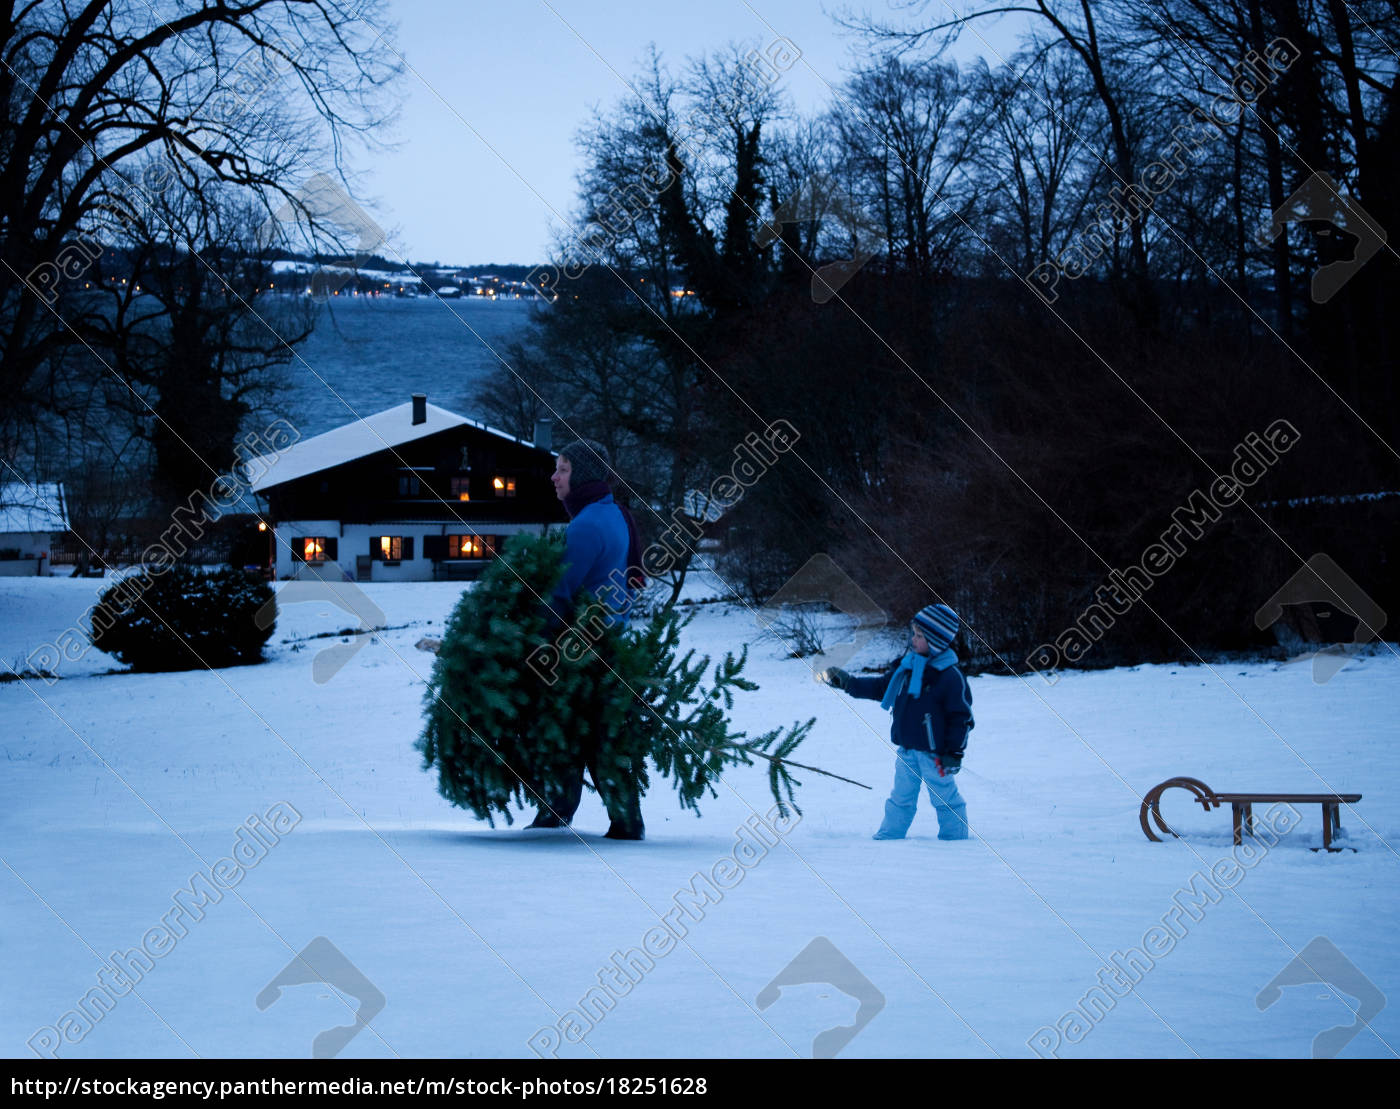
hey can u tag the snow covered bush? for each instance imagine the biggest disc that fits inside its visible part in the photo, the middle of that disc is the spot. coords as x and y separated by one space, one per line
182 619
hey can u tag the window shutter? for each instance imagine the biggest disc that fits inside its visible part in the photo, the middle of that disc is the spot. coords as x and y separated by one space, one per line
435 547
374 550
408 548
332 548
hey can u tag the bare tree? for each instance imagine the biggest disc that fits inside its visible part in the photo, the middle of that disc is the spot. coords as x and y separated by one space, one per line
247 92
1097 36
1036 170
195 329
902 128
664 247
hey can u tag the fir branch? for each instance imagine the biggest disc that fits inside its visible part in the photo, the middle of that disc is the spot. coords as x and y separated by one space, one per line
780 759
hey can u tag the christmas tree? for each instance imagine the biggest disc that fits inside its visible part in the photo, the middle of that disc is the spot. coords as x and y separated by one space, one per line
511 706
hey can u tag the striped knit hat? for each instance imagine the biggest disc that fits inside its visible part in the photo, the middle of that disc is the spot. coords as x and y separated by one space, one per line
939 623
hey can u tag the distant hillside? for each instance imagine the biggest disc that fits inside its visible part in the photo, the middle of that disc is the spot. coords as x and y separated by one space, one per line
511 271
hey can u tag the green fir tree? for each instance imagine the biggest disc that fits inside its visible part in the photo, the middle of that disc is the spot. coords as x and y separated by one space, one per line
510 707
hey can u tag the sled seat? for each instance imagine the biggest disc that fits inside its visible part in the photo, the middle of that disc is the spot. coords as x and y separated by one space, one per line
1242 808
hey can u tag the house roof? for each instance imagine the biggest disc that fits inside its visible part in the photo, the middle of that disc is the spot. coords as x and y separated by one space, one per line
393 427
38 508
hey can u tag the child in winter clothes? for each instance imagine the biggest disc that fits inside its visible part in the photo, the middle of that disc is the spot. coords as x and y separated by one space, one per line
932 707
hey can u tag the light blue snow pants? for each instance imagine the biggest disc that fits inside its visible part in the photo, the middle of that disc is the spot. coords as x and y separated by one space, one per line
910 768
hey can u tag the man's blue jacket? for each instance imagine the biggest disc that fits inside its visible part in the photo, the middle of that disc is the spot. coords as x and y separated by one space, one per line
595 561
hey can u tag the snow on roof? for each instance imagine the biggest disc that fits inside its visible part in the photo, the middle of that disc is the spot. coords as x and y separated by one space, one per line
287 265
37 508
391 428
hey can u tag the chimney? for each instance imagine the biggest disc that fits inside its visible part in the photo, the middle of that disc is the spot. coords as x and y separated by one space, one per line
544 433
420 408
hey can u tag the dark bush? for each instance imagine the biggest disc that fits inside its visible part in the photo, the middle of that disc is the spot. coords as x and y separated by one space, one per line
182 619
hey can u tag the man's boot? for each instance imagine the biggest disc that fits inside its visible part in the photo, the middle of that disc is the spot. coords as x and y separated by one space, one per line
556 810
625 829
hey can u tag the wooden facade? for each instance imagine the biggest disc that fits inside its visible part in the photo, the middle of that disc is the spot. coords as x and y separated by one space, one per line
438 505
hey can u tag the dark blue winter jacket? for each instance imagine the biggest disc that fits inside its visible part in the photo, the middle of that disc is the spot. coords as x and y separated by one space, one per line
945 698
595 560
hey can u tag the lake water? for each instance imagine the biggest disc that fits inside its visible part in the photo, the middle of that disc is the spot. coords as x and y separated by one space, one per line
376 351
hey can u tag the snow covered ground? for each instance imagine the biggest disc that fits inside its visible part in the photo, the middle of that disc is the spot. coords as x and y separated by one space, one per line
120 791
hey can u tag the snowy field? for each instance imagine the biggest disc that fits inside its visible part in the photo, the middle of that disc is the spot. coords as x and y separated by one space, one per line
120 791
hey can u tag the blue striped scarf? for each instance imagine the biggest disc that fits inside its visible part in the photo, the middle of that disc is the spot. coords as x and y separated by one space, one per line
914 665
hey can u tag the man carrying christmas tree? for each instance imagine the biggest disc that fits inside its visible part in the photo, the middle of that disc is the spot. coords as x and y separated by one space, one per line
602 561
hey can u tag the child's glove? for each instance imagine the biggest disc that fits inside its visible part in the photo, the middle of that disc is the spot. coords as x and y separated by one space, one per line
948 765
835 677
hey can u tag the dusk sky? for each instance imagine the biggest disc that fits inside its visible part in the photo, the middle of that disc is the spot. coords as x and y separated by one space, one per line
494 95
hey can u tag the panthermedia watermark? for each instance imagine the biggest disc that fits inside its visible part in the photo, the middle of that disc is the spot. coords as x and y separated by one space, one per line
1322 963
806 598
626 970
1125 970
1130 202
618 212
123 971
821 963
344 595
320 208
825 199
1321 595
613 217
753 458
1251 459
1318 201
759 68
189 524
252 77
320 962
120 209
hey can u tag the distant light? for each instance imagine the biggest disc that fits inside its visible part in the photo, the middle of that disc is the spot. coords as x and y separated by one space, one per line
262 526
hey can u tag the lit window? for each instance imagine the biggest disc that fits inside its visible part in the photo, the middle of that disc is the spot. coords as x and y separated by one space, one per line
504 486
471 546
391 547
314 548
461 489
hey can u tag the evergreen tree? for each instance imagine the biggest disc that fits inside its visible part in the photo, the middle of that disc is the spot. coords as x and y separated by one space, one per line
503 732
